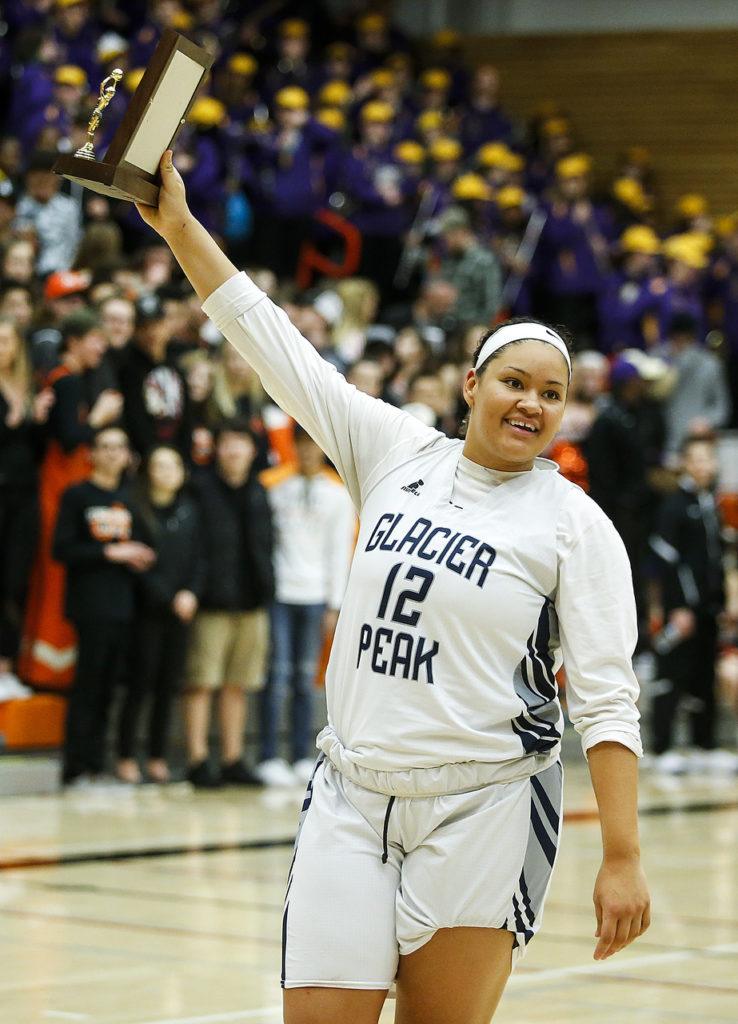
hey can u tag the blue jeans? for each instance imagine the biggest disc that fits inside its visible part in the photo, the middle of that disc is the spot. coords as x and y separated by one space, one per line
296 633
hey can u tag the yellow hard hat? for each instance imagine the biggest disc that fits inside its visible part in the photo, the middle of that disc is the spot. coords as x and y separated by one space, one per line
446 39
509 197
631 194
133 78
68 3
684 249
243 64
445 149
409 152
292 97
436 78
470 186
398 61
640 238
382 78
371 22
691 205
726 225
182 21
331 118
429 120
494 154
338 51
702 240
293 28
575 166
377 112
207 112
70 74
554 127
515 162
335 94
640 156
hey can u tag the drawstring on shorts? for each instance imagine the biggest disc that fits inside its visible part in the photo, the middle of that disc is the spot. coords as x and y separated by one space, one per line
385 852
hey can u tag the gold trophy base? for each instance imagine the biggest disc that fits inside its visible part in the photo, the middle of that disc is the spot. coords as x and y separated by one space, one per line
112 180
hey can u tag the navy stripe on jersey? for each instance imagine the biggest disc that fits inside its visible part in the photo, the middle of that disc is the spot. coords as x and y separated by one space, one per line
546 805
526 902
541 835
305 808
538 727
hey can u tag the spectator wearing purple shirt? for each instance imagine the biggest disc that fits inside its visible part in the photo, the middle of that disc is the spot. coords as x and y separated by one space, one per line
573 254
629 301
483 120
289 174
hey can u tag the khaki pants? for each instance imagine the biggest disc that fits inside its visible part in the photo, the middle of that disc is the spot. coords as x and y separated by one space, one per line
228 649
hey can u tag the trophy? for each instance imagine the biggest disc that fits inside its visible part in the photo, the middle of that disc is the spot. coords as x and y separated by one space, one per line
158 108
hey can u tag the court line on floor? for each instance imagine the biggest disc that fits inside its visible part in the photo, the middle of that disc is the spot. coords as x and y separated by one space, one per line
612 966
277 907
574 908
265 844
140 927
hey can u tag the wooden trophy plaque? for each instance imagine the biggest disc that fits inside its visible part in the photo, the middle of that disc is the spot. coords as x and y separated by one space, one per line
157 111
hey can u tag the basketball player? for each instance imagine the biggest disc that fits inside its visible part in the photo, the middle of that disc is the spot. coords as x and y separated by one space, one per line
431 823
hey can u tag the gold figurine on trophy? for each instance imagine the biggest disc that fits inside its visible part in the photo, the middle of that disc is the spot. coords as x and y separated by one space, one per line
129 168
107 91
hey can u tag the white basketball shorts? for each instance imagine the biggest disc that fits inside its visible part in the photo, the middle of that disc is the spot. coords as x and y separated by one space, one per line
374 877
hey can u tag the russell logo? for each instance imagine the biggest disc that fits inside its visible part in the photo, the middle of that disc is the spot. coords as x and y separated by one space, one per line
413 488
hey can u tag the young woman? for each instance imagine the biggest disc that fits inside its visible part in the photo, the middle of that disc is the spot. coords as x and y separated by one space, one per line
431 823
166 606
48 645
20 415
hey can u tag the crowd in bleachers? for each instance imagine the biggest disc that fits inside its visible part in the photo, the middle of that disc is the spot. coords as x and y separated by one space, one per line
376 188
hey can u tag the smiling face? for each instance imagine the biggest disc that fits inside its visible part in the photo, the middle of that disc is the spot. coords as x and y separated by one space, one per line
516 405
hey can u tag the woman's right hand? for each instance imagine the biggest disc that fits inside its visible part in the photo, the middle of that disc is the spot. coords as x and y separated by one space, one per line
107 409
172 212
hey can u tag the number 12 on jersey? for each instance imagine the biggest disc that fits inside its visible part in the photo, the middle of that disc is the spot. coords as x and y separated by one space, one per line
394 652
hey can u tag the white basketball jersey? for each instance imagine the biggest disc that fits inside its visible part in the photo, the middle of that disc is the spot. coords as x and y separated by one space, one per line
456 616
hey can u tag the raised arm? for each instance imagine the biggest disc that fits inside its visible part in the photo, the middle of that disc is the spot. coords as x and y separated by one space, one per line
356 432
203 261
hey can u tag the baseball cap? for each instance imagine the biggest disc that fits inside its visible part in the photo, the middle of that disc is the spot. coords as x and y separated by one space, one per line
66 282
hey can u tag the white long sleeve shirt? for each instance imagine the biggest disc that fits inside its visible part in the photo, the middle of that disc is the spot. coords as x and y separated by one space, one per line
466 590
314 521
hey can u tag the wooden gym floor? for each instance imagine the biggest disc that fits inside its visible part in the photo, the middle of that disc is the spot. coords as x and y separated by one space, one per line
163 906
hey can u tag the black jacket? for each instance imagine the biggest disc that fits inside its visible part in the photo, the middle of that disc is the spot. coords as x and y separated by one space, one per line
688 550
89 519
239 541
157 405
177 535
19 450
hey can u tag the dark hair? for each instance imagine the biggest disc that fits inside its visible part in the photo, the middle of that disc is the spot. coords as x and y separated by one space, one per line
683 323
77 324
41 160
299 433
563 333
234 425
141 487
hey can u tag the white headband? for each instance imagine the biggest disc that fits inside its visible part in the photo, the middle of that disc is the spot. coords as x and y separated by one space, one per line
522 332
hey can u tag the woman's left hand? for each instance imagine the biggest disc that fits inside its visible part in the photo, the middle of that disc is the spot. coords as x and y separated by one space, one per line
622 904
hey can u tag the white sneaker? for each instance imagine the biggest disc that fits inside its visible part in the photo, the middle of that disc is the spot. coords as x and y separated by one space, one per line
714 762
275 772
304 770
671 763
